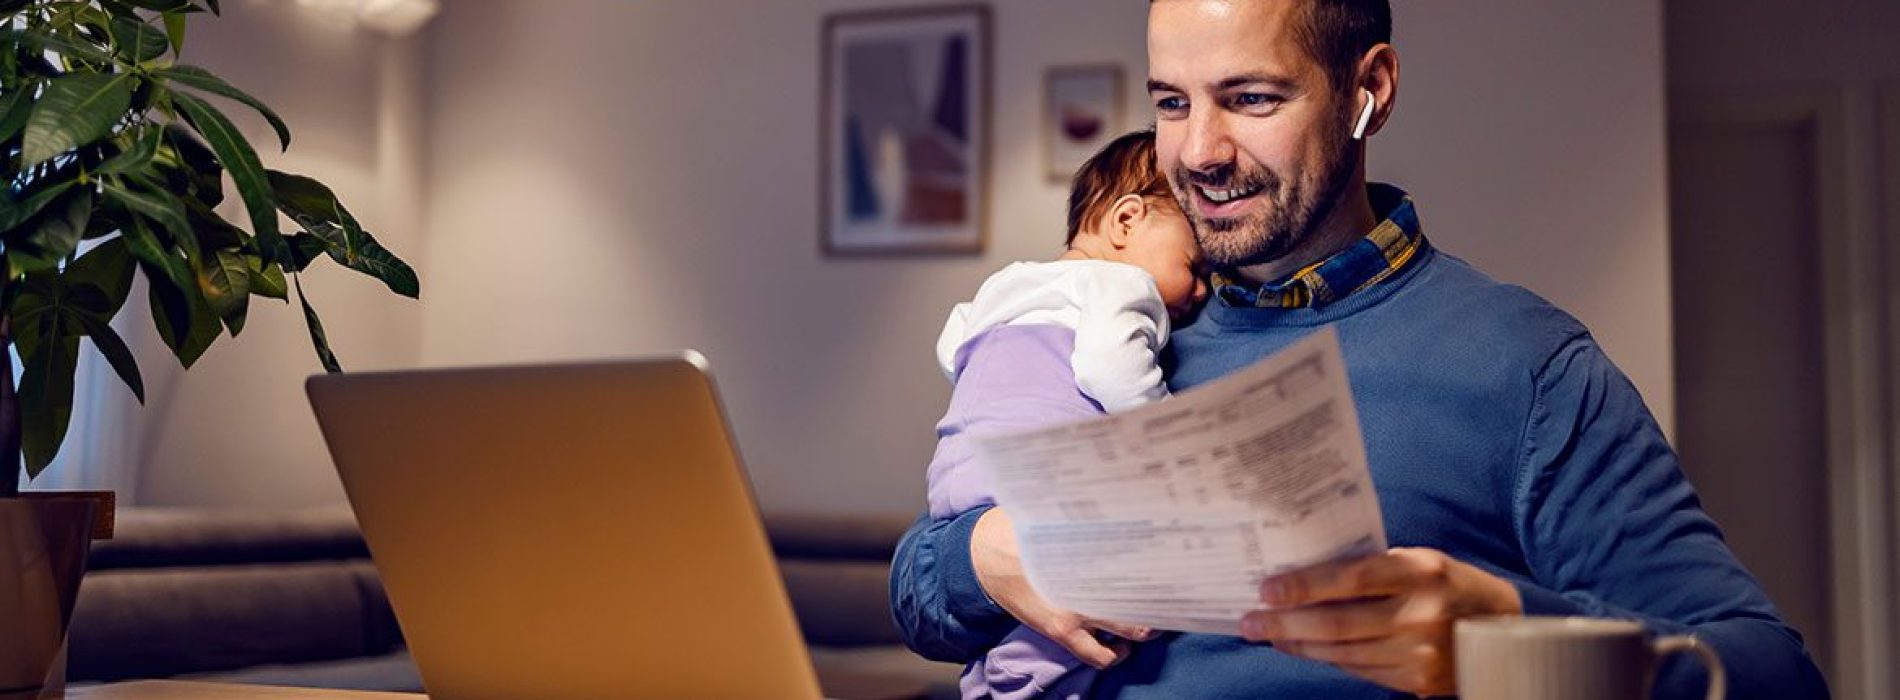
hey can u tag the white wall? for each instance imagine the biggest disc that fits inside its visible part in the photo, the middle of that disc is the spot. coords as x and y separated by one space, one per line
1743 76
618 178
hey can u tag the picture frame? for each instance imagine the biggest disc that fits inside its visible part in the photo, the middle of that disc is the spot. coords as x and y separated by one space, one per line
905 131
1083 108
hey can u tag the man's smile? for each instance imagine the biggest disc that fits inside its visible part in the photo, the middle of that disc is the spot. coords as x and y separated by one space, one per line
1223 203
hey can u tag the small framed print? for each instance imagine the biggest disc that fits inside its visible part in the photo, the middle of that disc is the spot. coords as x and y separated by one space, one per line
1082 112
905 131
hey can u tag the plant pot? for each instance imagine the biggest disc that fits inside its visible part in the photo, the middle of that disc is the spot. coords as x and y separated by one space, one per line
44 540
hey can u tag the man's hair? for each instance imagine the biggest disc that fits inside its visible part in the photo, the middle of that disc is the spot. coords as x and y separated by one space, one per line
1125 166
1338 32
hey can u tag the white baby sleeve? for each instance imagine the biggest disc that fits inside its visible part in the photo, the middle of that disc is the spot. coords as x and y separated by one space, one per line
1118 339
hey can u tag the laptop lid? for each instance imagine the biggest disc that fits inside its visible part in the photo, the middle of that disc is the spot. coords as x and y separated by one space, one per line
573 531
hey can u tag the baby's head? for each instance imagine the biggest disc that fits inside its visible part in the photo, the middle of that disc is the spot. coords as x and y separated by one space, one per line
1120 209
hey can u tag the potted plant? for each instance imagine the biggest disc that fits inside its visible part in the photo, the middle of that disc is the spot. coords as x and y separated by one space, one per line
115 158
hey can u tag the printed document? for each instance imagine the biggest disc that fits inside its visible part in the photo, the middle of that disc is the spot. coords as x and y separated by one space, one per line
1171 514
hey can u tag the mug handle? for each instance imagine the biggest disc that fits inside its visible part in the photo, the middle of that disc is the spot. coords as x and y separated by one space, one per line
1675 644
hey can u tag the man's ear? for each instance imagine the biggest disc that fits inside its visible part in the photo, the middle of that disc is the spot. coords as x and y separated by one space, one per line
1122 218
1379 75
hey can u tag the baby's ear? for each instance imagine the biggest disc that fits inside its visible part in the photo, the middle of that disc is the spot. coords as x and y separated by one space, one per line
1124 216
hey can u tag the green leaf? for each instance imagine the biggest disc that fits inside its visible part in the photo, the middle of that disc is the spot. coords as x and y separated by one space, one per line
241 161
116 353
315 207
69 48
185 322
76 109
161 207
109 268
16 212
317 337
305 199
195 77
18 105
13 213
372 259
225 281
267 280
304 248
55 236
34 311
234 321
213 231
46 399
175 32
137 41
161 5
199 174
158 259
138 154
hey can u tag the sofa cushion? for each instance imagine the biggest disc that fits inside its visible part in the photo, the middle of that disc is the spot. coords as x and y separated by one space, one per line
136 623
173 537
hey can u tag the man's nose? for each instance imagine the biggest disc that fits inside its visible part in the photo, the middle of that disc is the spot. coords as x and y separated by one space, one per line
1208 148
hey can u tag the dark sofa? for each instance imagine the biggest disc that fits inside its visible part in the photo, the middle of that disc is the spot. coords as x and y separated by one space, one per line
291 598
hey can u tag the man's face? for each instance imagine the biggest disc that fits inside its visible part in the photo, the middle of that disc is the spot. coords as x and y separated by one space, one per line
1254 140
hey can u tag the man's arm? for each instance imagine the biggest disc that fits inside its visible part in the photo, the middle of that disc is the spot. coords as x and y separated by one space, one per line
957 588
1612 529
1609 528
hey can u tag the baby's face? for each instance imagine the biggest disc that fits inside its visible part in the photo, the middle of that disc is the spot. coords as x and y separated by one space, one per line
1163 244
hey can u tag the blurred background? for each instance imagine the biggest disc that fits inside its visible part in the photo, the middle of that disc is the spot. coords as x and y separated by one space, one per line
1713 187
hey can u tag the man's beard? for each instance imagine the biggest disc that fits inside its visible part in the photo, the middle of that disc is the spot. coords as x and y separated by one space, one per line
1259 237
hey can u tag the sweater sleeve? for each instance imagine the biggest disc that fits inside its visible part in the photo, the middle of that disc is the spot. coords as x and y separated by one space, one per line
940 609
1611 528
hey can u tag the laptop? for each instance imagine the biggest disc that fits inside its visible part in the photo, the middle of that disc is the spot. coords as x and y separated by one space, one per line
576 531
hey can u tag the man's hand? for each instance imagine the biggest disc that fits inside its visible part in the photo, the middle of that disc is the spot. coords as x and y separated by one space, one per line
1386 618
999 570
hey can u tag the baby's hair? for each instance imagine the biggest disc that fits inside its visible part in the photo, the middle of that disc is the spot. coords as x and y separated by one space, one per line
1125 166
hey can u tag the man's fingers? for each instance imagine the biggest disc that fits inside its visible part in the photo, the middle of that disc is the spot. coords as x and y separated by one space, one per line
1374 653
1327 622
1081 642
1133 633
1394 662
1395 571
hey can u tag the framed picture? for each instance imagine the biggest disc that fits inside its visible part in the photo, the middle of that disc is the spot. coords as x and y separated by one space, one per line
1081 113
904 142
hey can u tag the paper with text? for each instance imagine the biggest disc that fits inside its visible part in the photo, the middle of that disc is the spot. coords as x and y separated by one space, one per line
1171 514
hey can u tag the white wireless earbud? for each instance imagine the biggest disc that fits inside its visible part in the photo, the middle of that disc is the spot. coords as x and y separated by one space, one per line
1365 116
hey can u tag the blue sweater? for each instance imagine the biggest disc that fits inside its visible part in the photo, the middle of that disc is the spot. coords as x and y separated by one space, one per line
1499 433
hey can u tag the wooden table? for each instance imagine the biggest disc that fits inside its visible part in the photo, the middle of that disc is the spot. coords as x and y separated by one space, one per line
186 690
837 684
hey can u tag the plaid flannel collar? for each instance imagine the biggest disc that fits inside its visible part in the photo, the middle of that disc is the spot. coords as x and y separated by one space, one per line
1383 252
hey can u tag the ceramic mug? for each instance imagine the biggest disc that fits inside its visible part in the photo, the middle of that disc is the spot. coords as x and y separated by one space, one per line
1568 658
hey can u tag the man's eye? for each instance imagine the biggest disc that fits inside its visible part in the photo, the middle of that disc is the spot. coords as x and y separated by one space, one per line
1257 99
1170 104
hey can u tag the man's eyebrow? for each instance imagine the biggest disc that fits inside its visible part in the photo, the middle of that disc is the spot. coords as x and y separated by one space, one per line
1276 81
1231 82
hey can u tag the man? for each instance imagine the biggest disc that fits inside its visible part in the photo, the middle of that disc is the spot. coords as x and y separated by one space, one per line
1518 470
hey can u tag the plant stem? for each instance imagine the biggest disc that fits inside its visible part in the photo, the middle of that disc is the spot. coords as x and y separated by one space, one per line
9 415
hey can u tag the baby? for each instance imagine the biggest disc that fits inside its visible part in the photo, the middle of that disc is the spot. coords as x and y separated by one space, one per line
1104 306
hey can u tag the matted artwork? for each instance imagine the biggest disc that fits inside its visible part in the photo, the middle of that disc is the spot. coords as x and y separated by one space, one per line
1082 112
904 147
